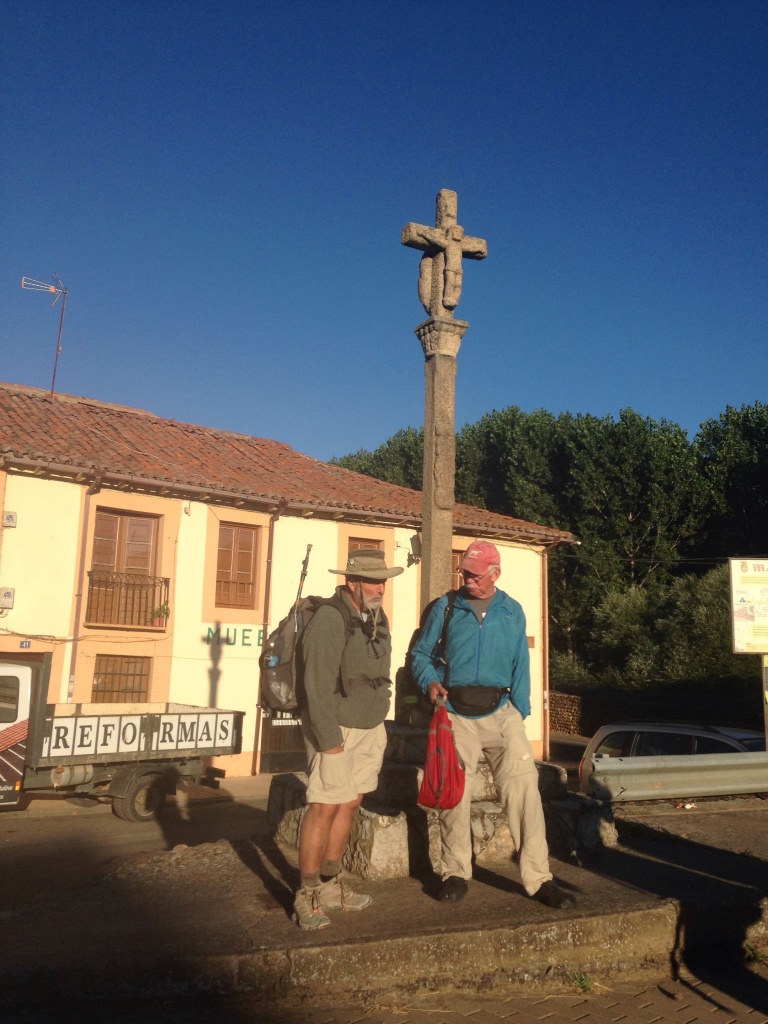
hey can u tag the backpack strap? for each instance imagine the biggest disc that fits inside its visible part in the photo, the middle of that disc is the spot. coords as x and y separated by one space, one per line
343 609
441 645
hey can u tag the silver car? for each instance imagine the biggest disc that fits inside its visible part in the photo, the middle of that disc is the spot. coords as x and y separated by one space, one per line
664 739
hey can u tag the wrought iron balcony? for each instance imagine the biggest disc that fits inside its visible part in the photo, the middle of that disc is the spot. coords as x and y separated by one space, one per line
127 599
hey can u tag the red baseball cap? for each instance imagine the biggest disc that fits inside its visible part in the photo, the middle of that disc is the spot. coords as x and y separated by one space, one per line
479 556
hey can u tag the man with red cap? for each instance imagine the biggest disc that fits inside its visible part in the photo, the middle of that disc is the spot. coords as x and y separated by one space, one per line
484 676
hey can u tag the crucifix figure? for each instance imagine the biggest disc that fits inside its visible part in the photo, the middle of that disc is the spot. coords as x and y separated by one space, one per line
443 246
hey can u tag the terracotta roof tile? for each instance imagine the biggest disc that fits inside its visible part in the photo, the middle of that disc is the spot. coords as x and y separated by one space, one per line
82 435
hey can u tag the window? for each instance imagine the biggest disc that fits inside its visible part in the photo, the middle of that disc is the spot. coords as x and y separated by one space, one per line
9 698
122 589
124 543
356 543
711 745
236 566
457 580
616 744
120 679
661 744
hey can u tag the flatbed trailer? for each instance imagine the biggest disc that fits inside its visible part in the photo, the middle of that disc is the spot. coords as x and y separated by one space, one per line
133 754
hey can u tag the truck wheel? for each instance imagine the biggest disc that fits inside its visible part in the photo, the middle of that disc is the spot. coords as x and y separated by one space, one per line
142 799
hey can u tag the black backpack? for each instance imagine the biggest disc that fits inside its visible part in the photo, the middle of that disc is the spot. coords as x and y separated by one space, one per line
412 706
278 659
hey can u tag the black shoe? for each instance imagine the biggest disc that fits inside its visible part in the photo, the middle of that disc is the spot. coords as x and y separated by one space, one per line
453 890
551 896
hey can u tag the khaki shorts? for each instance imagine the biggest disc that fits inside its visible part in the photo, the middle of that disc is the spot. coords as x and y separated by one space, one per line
340 778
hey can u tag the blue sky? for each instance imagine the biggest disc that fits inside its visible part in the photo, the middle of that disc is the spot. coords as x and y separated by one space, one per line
221 187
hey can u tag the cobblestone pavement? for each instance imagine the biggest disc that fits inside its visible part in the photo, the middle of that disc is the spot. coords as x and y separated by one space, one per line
739 996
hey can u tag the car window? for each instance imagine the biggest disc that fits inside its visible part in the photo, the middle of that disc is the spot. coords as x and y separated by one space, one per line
615 744
660 744
710 745
754 743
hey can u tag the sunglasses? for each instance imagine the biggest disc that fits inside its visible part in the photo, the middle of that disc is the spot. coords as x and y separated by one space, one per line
476 575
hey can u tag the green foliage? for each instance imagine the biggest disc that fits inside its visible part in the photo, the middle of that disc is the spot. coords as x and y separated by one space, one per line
644 503
398 461
695 630
752 954
733 457
581 981
624 643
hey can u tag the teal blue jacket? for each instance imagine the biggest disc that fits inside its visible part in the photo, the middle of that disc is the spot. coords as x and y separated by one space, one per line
491 653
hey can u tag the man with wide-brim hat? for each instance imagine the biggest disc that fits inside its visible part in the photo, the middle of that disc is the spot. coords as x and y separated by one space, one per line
343 666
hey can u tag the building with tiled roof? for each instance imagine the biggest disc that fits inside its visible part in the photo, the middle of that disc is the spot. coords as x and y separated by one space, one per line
111 514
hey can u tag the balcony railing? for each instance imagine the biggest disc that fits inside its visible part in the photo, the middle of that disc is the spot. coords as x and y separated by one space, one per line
127 599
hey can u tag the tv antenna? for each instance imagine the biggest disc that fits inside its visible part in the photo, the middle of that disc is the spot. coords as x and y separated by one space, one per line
59 292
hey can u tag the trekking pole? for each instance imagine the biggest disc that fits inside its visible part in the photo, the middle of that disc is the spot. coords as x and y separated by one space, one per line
303 576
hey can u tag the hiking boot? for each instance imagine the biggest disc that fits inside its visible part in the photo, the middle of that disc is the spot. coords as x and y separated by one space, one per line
307 912
335 895
551 896
453 889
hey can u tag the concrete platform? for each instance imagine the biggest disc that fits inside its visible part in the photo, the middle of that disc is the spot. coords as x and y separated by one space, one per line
215 918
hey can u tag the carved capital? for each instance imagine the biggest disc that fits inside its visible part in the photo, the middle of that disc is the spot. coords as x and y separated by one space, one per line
441 336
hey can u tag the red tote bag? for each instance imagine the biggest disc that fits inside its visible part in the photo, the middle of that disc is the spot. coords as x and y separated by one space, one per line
443 783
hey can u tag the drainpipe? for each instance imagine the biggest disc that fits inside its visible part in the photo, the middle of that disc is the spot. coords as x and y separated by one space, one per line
94 488
256 763
545 649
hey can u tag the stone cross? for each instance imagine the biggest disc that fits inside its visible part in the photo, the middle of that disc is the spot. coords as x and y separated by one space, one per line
444 247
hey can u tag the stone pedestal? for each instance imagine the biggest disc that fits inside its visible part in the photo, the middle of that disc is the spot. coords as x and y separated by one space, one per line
392 837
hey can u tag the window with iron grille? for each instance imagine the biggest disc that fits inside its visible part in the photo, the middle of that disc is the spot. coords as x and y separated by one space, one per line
121 679
236 566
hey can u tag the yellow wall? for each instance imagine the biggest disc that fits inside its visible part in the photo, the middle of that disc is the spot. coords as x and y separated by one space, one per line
206 656
38 559
521 578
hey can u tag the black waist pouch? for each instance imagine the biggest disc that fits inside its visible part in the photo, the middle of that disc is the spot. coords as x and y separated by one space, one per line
474 701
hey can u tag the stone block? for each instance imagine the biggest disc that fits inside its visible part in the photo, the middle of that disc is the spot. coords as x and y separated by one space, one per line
287 792
578 823
378 846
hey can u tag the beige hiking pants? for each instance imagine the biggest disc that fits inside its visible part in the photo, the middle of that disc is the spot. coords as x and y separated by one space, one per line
501 737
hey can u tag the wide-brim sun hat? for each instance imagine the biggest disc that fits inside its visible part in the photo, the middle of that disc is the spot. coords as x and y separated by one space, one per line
369 563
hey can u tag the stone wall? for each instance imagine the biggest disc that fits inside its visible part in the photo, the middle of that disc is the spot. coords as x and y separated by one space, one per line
584 714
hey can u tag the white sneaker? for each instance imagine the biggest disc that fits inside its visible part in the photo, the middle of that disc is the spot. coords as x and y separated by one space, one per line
335 895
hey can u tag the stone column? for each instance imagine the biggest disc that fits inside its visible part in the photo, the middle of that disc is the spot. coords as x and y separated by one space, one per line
440 339
440 278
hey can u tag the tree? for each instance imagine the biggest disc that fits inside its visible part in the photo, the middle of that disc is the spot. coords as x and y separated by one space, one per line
695 631
624 643
733 457
508 462
398 461
635 495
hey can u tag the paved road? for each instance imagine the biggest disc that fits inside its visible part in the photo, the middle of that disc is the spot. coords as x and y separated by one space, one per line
61 846
739 996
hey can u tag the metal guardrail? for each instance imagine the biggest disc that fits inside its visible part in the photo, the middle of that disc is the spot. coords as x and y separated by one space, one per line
684 775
